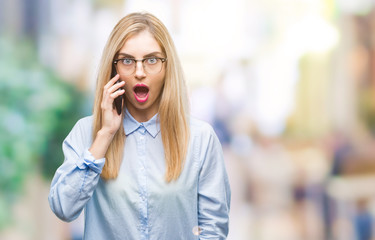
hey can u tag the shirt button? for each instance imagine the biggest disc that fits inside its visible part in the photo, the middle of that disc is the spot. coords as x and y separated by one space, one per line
141 137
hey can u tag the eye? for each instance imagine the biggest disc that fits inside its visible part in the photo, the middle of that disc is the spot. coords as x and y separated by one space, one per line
127 61
152 60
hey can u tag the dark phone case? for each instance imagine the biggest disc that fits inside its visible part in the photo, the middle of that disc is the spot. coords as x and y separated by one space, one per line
118 101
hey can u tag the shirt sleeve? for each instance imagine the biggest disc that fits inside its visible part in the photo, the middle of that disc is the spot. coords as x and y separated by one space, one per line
76 179
213 192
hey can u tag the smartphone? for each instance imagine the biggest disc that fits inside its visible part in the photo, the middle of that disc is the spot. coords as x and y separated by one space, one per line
119 100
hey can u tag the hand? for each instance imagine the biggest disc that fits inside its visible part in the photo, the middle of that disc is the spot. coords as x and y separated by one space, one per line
111 120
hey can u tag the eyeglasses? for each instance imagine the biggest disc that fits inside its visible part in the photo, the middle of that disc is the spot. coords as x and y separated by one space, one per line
127 66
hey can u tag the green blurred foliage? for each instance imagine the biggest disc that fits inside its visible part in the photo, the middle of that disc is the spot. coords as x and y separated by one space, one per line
37 112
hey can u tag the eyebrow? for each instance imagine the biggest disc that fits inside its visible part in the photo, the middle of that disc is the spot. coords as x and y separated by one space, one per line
147 55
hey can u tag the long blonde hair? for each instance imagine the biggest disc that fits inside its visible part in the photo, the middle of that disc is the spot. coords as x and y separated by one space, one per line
173 108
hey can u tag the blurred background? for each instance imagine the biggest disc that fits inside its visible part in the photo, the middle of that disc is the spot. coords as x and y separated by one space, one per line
289 86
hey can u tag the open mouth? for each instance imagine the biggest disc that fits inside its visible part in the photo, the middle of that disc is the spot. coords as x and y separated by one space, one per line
141 92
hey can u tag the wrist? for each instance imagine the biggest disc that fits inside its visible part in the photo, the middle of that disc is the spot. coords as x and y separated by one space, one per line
105 133
100 145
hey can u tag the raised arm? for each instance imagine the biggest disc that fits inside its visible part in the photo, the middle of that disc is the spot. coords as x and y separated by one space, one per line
76 179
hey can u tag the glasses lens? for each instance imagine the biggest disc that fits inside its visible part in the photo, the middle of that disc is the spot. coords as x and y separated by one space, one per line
152 65
125 66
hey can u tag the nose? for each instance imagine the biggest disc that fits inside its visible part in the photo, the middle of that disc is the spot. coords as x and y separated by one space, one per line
139 70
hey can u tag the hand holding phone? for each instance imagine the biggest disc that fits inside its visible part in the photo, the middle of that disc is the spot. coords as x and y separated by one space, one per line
118 102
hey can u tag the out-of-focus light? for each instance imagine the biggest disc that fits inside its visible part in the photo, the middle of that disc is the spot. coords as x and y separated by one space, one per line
357 6
274 98
312 34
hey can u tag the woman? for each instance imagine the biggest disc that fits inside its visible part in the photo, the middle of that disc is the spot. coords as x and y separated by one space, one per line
148 171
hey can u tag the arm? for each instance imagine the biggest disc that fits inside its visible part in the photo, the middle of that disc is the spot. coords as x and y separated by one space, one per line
213 193
75 181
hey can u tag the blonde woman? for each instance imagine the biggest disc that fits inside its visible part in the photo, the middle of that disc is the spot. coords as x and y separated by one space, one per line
146 170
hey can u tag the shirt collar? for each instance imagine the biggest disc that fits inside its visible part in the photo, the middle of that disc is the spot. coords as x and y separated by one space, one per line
152 126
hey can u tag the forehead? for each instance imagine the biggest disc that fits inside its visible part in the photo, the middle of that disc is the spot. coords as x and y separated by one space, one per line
141 44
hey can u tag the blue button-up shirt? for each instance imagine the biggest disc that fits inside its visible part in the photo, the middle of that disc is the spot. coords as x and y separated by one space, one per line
139 203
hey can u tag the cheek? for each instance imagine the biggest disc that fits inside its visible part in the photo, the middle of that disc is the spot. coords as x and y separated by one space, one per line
160 82
127 87
128 90
159 86
127 84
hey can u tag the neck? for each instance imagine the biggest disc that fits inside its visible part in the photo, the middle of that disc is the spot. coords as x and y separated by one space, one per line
142 115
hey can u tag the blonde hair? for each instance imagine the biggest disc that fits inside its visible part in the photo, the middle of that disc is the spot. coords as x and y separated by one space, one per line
173 108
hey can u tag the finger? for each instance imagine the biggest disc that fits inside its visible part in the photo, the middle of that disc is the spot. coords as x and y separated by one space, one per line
108 92
117 93
109 98
116 87
112 81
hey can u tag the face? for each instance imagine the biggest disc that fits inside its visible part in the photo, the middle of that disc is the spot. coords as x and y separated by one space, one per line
142 90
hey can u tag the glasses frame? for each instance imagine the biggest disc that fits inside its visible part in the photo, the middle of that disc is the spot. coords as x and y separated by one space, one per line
143 64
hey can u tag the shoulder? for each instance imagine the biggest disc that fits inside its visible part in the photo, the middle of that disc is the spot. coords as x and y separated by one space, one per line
84 124
200 127
85 121
82 129
202 131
